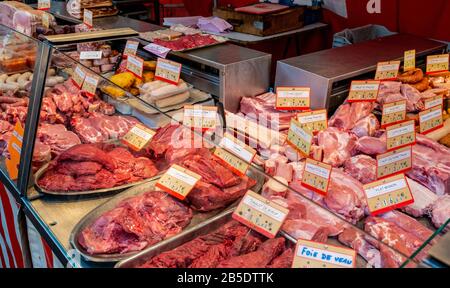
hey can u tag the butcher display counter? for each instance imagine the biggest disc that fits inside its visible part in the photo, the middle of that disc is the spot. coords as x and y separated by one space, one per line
330 72
226 71
85 171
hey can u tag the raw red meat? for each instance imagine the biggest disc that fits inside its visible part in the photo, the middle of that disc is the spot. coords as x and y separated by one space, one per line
88 152
136 223
345 196
371 145
337 145
404 235
362 167
423 199
164 138
211 171
284 260
184 255
41 153
367 126
76 169
262 110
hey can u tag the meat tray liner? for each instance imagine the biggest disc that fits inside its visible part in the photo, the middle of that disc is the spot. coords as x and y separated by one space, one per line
43 169
198 222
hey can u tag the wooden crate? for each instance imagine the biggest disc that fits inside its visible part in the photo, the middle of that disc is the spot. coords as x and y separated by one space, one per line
263 25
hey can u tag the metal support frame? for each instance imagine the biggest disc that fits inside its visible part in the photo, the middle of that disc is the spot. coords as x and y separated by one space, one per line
34 110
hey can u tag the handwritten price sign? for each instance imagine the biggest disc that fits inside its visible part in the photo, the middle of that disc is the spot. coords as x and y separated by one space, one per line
78 76
135 65
394 162
364 91
131 48
433 101
293 98
388 194
401 135
260 214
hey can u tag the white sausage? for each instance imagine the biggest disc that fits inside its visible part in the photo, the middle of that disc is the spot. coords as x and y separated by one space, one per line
173 100
167 91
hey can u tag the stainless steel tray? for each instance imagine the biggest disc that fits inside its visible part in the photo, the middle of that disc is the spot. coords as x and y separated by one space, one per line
199 220
172 243
43 169
182 238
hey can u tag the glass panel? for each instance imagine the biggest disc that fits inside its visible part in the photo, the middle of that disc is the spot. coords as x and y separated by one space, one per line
17 63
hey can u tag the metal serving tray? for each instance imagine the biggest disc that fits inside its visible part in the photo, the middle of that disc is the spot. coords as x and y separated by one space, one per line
43 169
198 221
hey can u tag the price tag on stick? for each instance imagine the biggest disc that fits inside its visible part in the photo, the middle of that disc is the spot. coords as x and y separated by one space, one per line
88 17
178 181
433 101
394 162
430 120
78 76
393 113
201 117
314 121
299 138
235 154
387 70
260 214
316 176
437 63
311 254
293 98
401 135
90 84
364 91
135 65
138 137
44 4
410 60
46 20
168 71
131 47
388 194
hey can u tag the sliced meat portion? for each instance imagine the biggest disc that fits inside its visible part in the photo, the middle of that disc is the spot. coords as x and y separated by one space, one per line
423 199
362 167
88 152
356 240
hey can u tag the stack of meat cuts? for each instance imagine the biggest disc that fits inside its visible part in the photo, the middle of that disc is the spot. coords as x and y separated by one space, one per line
231 246
89 167
136 223
187 42
350 144
218 187
262 110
